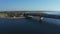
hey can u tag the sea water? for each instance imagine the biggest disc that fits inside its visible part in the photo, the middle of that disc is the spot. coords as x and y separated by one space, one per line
29 25
33 26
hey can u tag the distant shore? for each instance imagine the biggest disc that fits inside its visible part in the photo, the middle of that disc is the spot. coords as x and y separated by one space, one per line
12 17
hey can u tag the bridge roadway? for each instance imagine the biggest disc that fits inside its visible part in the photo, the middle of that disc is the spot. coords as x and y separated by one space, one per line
44 15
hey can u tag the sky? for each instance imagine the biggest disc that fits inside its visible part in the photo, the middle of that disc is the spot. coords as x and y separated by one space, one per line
29 5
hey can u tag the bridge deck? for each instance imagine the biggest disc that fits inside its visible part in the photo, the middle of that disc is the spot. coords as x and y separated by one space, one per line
46 15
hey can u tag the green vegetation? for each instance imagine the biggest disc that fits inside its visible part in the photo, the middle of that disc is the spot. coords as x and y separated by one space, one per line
3 15
17 13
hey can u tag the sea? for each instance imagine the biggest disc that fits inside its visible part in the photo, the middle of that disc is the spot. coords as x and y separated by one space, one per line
30 26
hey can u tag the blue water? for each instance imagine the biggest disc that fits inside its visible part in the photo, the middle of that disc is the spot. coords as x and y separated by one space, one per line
53 12
49 26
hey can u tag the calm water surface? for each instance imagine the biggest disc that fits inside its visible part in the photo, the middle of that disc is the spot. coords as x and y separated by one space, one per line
49 26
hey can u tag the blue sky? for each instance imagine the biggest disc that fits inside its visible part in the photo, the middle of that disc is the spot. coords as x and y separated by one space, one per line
49 5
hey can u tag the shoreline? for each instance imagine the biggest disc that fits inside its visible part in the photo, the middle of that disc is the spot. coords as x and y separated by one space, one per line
12 17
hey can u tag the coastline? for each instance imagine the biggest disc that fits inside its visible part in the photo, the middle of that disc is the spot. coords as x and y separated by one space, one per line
12 17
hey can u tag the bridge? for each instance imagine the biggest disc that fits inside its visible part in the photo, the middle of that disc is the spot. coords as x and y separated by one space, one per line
42 16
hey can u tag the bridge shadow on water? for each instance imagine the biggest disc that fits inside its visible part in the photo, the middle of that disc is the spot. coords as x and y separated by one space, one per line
27 26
